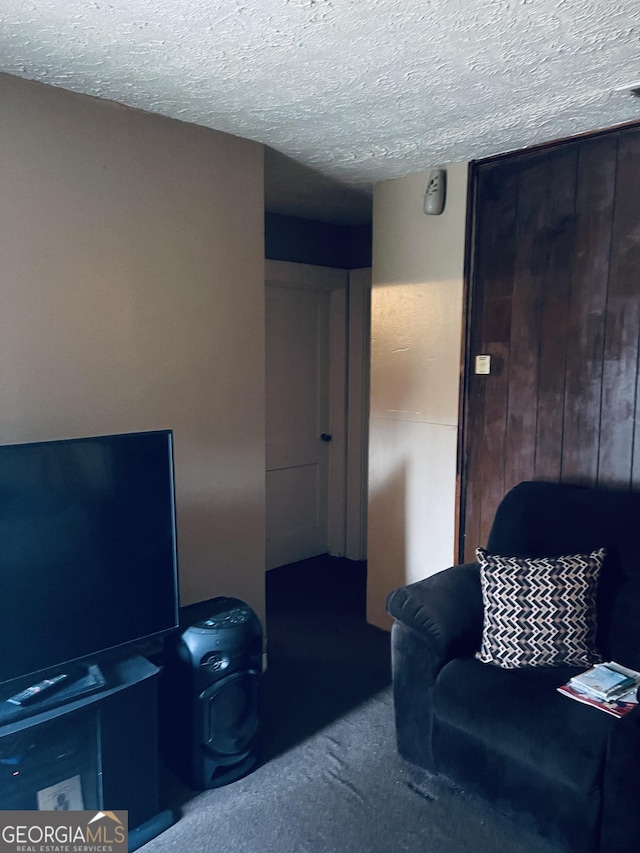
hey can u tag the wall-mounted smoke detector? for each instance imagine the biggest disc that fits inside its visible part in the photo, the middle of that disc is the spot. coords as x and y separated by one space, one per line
436 192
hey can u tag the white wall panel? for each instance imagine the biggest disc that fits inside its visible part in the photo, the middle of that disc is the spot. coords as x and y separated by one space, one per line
416 328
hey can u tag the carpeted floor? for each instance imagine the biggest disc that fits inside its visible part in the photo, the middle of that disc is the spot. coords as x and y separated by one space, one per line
330 780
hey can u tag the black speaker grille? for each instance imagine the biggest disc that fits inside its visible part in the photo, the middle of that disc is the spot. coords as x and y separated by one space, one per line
230 718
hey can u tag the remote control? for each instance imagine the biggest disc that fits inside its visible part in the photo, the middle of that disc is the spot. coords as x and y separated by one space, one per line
31 694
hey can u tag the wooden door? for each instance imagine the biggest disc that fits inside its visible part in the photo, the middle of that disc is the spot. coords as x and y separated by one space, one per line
555 302
297 416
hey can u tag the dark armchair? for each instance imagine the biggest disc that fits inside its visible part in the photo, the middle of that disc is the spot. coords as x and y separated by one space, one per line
570 772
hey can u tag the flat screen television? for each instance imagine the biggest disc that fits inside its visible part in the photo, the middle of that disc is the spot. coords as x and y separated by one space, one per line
88 552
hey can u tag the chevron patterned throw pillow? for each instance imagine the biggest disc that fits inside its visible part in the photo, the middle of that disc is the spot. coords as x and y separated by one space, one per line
539 612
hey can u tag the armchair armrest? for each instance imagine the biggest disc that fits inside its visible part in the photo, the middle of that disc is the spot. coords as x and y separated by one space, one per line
445 609
436 619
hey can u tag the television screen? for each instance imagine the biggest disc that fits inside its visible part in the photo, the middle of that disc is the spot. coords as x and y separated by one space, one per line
88 558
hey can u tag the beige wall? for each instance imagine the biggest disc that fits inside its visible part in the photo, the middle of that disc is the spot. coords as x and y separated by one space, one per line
416 331
131 293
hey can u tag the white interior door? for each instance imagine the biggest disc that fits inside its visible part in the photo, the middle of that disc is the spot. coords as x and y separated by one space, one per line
297 416
306 387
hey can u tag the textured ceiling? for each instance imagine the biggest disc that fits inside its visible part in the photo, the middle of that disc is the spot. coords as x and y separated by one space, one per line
348 92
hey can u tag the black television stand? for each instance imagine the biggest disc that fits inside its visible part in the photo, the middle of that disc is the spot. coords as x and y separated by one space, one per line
97 750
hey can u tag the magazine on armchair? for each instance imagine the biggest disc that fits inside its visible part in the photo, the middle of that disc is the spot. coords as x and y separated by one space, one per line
610 687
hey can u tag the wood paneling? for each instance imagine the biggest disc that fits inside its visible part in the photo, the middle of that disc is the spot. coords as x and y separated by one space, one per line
555 302
620 363
595 185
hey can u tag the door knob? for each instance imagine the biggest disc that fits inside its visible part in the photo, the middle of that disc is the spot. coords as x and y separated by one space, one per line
326 437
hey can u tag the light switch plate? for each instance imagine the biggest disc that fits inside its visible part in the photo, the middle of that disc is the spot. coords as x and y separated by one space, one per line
483 365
